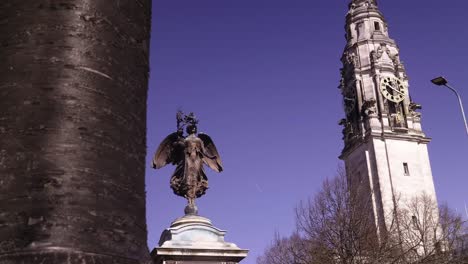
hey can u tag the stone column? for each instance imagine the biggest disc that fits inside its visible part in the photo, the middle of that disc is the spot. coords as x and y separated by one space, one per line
73 90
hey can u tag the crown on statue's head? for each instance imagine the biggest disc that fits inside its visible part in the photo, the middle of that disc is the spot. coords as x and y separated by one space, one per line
190 119
183 120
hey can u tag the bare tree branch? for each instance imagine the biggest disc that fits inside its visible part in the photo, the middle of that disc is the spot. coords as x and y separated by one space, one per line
337 226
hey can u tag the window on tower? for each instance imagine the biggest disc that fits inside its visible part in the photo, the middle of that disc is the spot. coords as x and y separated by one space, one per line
415 222
377 26
406 169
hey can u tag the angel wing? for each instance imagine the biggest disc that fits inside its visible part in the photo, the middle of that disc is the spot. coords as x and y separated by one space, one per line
211 157
164 155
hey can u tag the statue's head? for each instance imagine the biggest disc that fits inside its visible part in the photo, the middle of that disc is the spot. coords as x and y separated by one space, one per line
191 129
188 121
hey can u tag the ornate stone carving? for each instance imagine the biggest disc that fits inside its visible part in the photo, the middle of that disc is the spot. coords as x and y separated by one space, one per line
398 120
396 59
348 131
350 58
377 54
342 79
368 108
399 66
366 3
412 109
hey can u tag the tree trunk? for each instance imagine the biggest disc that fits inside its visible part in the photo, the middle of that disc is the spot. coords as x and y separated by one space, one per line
73 89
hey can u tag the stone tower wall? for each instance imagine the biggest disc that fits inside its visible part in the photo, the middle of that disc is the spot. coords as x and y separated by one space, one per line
384 140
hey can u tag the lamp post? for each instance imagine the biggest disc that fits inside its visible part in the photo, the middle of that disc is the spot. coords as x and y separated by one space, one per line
441 81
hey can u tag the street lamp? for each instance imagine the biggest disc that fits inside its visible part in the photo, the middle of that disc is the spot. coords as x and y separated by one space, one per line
441 81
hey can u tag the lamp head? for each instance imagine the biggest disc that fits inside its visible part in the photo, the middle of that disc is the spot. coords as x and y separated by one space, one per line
439 81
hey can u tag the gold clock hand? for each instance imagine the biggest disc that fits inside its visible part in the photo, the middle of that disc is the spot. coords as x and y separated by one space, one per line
395 90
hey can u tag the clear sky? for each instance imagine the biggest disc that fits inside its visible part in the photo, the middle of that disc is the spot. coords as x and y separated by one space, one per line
262 78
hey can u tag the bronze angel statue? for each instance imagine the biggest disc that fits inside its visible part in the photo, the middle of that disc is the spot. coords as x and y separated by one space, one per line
189 154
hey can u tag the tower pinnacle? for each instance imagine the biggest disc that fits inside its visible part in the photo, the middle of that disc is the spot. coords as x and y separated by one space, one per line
362 3
370 2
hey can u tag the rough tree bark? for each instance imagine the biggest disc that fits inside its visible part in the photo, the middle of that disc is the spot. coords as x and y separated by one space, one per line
73 90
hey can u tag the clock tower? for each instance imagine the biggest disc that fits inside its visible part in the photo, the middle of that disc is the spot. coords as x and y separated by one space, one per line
385 149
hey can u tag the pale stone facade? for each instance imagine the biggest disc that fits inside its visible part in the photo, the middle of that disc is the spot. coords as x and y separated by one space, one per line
385 147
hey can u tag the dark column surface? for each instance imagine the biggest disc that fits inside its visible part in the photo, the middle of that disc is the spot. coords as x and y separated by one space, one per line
73 89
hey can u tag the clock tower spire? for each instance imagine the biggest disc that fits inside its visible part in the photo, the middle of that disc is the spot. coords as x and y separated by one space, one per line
385 148
365 2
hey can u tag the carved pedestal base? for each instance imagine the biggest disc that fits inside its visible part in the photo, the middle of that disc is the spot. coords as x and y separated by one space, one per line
194 240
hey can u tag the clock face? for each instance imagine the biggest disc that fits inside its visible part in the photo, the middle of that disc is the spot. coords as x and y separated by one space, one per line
393 89
349 100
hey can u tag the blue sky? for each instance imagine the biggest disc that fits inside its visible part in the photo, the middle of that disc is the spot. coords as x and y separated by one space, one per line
262 77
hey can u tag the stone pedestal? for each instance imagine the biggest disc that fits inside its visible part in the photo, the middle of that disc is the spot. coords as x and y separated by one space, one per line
194 240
